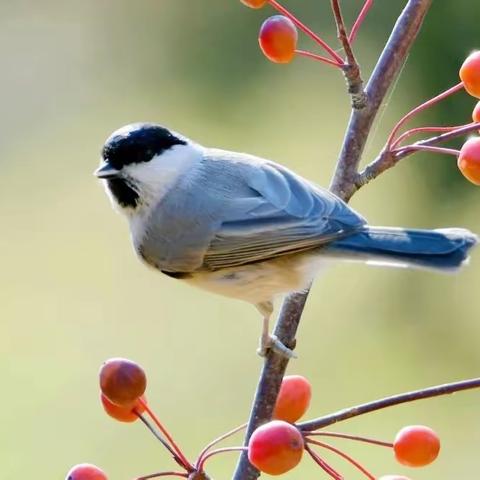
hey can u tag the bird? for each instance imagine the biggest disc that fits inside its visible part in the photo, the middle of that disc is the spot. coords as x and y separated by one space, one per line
246 227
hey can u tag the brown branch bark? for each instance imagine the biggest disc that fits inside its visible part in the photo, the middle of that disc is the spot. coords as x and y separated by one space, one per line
422 394
387 160
343 184
351 70
386 71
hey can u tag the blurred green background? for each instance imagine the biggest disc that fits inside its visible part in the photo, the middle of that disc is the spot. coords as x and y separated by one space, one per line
73 294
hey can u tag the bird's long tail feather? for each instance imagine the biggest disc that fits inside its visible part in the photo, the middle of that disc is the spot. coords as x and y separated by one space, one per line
443 249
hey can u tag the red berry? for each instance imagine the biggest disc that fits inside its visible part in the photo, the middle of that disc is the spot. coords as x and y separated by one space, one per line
123 414
469 160
470 74
254 3
416 446
275 447
293 399
122 381
278 39
85 471
476 113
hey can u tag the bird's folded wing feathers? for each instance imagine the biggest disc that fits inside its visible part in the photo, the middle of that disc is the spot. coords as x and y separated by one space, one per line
284 214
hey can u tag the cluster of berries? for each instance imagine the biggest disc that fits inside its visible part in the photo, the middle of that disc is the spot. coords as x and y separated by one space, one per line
278 39
278 446
274 448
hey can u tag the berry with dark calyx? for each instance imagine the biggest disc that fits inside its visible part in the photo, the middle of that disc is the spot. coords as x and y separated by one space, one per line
276 447
470 74
476 113
123 414
254 3
293 399
85 471
122 381
416 446
469 160
278 39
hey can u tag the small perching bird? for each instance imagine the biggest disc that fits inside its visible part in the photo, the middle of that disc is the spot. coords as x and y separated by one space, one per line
246 227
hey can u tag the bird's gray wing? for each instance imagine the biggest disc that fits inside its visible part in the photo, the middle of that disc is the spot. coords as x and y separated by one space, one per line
278 213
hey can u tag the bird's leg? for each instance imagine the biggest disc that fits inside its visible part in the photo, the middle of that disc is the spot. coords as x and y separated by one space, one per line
269 341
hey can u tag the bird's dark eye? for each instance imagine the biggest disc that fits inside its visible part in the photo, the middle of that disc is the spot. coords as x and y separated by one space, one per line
138 143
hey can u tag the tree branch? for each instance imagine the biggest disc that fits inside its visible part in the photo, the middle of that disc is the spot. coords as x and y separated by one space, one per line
386 71
351 69
387 160
422 394
343 185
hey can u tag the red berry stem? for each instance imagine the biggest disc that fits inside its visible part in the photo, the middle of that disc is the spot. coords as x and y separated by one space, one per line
415 131
218 440
369 407
429 148
349 459
320 58
350 437
458 132
421 108
218 451
185 463
307 31
163 474
358 22
161 440
323 464
387 160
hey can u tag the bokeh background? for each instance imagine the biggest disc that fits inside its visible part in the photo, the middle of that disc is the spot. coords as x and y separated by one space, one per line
72 293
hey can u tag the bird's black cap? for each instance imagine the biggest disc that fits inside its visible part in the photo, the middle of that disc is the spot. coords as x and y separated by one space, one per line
137 143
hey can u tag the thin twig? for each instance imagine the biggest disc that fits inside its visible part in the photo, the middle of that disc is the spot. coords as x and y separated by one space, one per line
343 184
415 131
350 437
217 441
360 19
369 407
319 58
387 160
323 464
386 71
351 69
161 439
433 101
307 31
217 452
348 458
184 461
163 474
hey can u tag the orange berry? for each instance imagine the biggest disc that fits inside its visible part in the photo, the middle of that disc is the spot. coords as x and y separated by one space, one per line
469 160
275 447
278 39
470 74
293 399
416 446
123 414
122 381
476 113
254 3
85 471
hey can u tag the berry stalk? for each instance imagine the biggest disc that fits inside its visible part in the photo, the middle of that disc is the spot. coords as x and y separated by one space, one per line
307 31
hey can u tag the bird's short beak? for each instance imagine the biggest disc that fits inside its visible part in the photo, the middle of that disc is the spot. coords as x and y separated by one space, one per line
105 171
